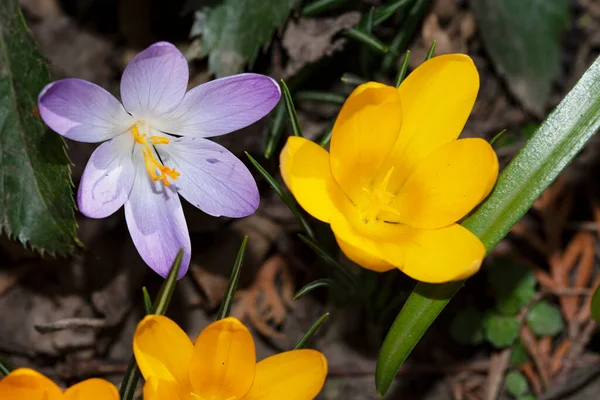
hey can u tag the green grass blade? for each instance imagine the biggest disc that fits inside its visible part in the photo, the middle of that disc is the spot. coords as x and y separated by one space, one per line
275 130
558 139
132 374
291 109
147 301
326 139
403 69
321 97
5 367
367 39
431 51
284 196
309 287
234 278
311 332
319 6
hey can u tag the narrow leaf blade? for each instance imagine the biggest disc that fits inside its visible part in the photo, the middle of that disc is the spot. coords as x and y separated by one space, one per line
558 139
232 285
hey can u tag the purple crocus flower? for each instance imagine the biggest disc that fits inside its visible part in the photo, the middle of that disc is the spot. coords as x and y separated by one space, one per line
155 147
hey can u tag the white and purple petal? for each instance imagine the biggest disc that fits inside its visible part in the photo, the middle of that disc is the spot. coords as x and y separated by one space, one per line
222 106
155 81
82 111
156 222
107 179
212 178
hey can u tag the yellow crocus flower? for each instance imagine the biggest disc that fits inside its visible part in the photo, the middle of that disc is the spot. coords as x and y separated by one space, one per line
221 365
396 179
27 384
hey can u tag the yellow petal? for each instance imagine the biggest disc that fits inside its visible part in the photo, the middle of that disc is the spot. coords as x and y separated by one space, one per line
437 99
156 389
358 247
92 389
305 170
162 350
363 135
293 375
436 256
27 384
224 361
447 185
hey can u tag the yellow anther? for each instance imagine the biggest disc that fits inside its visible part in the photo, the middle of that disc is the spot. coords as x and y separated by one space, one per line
158 140
151 163
379 201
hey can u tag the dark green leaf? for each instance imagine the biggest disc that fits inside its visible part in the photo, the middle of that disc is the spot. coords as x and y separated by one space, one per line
501 330
545 319
309 287
234 32
36 197
351 79
518 355
516 384
160 306
326 139
311 332
513 285
234 278
523 40
467 326
560 137
384 12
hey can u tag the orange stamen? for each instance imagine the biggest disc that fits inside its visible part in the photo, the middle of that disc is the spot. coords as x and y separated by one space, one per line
152 164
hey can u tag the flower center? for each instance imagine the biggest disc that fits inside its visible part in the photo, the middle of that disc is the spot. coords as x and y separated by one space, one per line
379 200
156 170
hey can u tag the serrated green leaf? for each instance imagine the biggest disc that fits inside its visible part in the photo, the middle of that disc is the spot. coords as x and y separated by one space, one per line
513 285
500 330
36 198
518 355
234 32
466 327
516 384
523 39
545 319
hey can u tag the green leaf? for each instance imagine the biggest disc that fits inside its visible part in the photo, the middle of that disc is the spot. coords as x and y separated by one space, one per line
160 306
36 197
516 384
513 285
291 109
596 305
309 287
234 278
405 33
284 196
466 327
276 125
402 70
319 6
545 319
518 355
311 332
147 301
234 31
5 367
527 397
367 39
559 138
501 330
523 39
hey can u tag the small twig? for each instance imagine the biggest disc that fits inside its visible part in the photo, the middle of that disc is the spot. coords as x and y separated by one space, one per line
71 323
498 365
